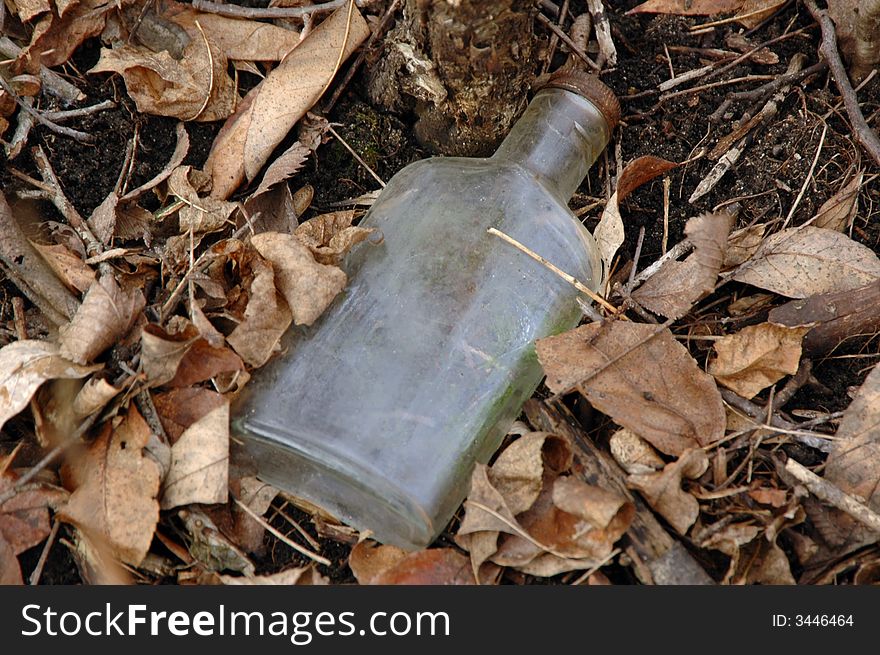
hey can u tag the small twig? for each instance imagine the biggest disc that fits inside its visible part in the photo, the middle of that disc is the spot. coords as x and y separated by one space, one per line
678 250
577 284
80 112
572 46
281 536
713 85
729 19
561 14
797 201
828 49
667 182
636 256
824 490
356 156
93 246
236 11
607 50
799 379
44 555
82 137
377 33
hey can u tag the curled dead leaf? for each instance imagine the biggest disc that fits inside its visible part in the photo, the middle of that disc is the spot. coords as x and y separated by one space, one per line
106 315
436 566
331 236
663 490
24 366
838 212
757 356
308 287
368 559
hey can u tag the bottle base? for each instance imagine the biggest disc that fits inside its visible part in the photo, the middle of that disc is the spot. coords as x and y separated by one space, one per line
354 494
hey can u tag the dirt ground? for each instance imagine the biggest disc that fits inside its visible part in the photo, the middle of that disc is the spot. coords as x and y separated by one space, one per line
765 182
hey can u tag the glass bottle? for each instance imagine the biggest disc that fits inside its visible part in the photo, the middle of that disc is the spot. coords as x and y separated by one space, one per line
378 412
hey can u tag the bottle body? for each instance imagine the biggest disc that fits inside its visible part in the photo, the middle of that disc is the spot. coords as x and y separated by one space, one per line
378 412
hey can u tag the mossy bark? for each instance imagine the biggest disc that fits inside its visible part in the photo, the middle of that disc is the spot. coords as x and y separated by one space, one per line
463 66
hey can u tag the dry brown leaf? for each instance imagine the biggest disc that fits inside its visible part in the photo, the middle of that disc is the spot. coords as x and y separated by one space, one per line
257 496
24 366
730 538
180 408
55 38
837 213
162 352
663 490
561 523
674 289
571 526
854 466
28 9
272 211
244 40
609 232
331 236
437 566
688 7
106 314
10 571
114 489
195 87
757 356
287 165
200 214
308 287
269 111
93 396
763 562
800 262
634 454
743 244
755 12
199 470
24 518
295 576
203 362
769 496
67 265
518 472
266 318
369 559
675 408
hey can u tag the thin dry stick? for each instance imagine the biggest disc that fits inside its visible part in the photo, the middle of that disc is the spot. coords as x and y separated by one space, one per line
797 201
824 490
356 156
82 137
554 38
729 19
235 11
78 113
577 284
667 182
713 85
303 551
44 555
828 49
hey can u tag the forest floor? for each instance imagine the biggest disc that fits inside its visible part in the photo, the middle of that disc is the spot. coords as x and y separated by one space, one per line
798 160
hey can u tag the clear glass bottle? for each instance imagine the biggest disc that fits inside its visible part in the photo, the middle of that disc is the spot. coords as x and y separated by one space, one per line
378 412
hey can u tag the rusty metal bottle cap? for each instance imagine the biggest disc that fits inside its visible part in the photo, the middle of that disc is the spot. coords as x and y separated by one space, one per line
590 87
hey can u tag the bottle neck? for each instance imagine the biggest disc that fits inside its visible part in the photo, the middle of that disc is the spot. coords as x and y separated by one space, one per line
557 139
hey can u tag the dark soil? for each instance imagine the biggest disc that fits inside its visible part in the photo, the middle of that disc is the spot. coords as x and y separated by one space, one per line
766 181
